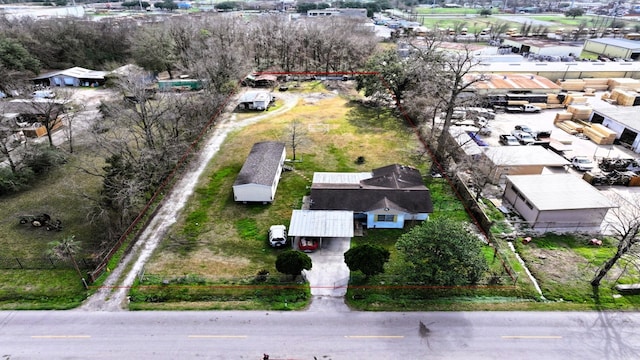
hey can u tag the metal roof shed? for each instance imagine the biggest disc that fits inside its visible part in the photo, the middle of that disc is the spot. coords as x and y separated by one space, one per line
321 223
561 202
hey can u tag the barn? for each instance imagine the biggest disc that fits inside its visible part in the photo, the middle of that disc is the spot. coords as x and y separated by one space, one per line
557 202
258 179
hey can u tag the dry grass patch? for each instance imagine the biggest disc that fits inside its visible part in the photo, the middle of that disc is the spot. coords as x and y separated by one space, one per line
231 240
203 261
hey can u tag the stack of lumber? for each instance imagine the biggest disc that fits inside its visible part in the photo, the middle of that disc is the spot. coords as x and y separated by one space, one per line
571 84
553 102
541 105
599 134
580 112
562 116
589 92
624 97
624 83
517 102
573 99
601 84
570 127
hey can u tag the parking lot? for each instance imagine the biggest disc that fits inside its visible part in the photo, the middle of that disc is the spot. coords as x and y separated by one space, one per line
625 197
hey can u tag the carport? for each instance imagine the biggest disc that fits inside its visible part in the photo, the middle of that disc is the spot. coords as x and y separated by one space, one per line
321 224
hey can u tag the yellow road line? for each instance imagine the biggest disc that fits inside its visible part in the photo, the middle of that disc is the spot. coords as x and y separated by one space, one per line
218 336
531 337
374 336
60 336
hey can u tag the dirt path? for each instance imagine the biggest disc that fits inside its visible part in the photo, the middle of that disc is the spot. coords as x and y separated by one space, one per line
112 296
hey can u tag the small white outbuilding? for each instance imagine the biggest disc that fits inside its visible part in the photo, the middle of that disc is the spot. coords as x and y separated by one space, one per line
258 179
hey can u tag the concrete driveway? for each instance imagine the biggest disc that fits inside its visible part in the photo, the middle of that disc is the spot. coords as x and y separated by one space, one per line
329 275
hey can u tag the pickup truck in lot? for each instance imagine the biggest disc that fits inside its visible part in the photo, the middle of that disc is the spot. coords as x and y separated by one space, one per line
582 163
523 108
523 137
509 140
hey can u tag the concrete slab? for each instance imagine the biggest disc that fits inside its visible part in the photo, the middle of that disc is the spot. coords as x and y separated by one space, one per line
329 275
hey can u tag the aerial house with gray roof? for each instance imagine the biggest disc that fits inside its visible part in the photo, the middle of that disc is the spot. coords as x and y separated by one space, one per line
258 179
386 197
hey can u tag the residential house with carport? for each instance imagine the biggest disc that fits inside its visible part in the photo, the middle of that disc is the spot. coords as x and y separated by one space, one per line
386 197
557 202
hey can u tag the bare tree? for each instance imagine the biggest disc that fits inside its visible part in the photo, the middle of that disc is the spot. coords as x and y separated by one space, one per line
296 136
625 227
446 77
9 140
49 111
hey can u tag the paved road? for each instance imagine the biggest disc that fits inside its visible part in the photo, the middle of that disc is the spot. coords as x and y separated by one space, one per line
305 335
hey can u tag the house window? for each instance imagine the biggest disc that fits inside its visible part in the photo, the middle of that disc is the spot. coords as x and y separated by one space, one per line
386 218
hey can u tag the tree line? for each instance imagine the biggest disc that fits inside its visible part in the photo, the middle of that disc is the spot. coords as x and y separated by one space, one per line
142 135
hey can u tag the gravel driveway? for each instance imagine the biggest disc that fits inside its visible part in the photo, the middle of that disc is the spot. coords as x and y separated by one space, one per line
112 296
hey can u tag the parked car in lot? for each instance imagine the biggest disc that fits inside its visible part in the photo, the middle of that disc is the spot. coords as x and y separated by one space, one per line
523 137
277 235
43 94
308 244
582 163
509 140
478 140
524 128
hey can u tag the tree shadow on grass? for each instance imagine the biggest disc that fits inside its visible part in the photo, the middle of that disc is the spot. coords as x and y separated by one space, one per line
371 119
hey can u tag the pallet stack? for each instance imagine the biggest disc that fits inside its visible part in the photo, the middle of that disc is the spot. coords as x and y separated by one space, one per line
624 97
580 112
570 127
571 84
623 83
599 134
553 102
596 84
573 99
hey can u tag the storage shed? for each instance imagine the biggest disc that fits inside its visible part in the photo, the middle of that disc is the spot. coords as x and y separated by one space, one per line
557 202
255 100
258 179
521 160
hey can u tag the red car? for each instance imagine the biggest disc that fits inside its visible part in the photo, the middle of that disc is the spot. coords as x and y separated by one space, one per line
308 245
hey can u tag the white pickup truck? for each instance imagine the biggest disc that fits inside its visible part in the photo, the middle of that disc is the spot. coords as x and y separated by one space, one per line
523 108
582 163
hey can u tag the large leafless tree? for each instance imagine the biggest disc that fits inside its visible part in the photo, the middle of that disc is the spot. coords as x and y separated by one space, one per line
625 225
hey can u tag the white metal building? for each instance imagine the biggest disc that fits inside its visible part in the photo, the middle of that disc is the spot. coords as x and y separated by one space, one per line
557 202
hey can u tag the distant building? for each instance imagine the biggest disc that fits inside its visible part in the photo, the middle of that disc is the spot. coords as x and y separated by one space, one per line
337 12
75 76
613 48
